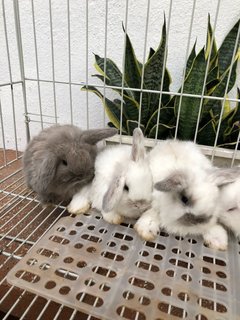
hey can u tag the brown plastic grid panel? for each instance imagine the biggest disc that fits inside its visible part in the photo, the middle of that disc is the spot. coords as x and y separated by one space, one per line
107 271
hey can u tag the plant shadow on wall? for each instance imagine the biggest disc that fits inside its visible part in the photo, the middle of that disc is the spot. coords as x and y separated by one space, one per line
220 79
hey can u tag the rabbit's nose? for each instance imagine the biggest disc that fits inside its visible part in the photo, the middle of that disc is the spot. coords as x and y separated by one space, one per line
143 203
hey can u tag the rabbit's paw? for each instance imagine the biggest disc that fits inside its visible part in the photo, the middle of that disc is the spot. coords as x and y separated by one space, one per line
147 228
216 238
78 206
112 217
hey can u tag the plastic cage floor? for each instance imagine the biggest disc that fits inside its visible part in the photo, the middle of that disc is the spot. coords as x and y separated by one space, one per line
89 265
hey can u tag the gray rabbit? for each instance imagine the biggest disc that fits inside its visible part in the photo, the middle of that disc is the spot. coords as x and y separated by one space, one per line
60 160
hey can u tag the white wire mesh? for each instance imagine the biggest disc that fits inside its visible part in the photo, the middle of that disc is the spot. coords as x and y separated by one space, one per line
46 57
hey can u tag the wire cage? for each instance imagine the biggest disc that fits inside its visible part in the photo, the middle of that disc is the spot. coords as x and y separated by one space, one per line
78 267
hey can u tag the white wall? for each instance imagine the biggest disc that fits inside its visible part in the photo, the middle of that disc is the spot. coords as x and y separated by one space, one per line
179 29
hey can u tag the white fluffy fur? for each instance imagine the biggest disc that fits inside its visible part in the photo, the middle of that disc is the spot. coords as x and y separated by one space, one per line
229 206
116 164
177 156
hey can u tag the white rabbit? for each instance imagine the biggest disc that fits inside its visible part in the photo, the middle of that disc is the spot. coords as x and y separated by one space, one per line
185 195
228 204
122 186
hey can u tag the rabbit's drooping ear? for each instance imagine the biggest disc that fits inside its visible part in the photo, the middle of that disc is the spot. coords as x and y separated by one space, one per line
114 193
138 149
177 182
95 135
45 173
223 176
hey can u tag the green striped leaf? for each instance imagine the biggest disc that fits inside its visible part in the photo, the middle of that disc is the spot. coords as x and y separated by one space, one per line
206 135
219 90
208 42
130 107
112 109
190 105
153 74
190 60
151 53
213 74
112 73
132 69
166 116
226 50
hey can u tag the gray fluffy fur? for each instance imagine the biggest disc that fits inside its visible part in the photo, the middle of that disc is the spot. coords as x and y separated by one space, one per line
60 160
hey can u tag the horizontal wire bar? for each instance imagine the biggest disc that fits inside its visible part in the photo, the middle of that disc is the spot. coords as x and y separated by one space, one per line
26 198
22 294
136 89
9 162
43 115
59 216
11 199
45 122
207 150
7 254
17 239
10 83
8 177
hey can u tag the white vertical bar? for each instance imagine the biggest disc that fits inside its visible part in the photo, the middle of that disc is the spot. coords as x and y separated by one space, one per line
69 61
184 71
164 67
105 59
123 67
236 148
10 76
37 66
225 93
144 59
3 136
206 72
53 62
87 100
21 63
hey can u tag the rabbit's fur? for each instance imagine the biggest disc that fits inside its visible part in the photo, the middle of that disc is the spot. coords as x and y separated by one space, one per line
122 186
60 160
184 196
228 204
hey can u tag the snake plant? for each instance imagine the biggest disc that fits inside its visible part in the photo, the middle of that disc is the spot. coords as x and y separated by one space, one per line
216 81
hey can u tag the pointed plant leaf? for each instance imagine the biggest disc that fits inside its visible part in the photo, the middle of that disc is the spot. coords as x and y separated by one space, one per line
112 73
234 120
208 42
153 73
226 50
190 105
166 116
132 70
112 110
190 60
236 116
151 53
213 74
211 85
206 135
130 107
219 91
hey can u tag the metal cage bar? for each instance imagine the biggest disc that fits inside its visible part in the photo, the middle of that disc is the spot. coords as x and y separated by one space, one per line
24 223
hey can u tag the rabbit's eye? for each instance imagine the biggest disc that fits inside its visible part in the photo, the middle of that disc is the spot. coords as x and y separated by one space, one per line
64 162
184 199
126 188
